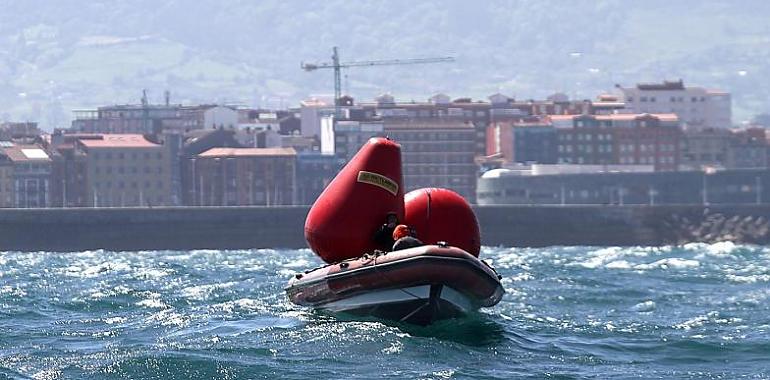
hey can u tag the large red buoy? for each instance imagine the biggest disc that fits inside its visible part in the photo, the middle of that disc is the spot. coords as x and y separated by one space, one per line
442 215
343 220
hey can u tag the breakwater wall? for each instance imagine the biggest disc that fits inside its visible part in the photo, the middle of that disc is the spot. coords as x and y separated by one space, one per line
282 227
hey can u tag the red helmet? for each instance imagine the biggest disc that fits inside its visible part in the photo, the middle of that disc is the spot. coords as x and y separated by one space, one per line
400 231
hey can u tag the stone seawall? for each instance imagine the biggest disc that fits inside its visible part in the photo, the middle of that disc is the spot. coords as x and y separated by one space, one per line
152 228
282 227
537 226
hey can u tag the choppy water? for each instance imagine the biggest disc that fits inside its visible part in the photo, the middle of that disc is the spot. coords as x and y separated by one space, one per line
698 311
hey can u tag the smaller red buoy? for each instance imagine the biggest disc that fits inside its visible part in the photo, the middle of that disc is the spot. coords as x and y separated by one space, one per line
442 215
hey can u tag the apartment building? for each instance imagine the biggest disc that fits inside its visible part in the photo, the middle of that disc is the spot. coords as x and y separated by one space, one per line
125 170
436 153
244 176
626 139
696 107
25 174
153 118
530 140
723 148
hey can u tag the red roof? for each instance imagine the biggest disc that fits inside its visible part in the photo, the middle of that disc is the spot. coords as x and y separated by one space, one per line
632 116
248 152
118 141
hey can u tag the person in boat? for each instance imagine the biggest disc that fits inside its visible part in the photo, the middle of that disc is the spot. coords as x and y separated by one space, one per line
404 238
384 235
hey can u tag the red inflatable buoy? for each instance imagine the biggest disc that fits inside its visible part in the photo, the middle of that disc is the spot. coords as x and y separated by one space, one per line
343 220
442 215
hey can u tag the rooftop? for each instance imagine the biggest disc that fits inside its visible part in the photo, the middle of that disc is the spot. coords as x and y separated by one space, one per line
562 169
671 117
21 153
666 85
118 141
248 152
426 123
632 116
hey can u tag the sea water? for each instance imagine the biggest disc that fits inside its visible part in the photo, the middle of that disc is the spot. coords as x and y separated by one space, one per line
692 311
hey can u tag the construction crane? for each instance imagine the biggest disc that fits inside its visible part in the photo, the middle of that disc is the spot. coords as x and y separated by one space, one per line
338 66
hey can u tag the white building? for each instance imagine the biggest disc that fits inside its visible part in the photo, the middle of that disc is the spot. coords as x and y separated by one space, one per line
311 113
696 106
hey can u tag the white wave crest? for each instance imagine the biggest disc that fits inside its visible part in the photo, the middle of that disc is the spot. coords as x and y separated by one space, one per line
152 303
202 292
749 279
644 307
669 263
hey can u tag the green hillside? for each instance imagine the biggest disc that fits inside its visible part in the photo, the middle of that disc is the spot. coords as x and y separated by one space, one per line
56 56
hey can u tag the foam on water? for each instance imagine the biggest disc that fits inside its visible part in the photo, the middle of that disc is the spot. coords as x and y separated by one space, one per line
699 310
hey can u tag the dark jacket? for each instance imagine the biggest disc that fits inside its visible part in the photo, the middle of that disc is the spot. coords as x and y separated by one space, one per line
407 242
384 237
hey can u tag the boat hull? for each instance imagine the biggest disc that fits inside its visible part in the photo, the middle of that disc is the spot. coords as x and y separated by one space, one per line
418 285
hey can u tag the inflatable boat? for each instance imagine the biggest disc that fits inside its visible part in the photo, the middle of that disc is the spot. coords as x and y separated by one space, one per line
442 279
417 285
